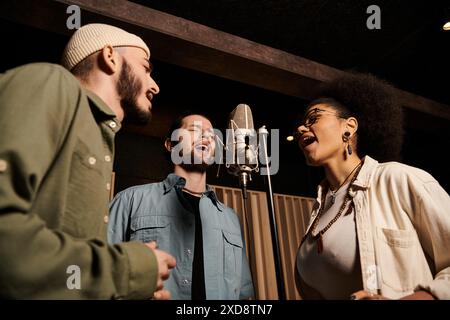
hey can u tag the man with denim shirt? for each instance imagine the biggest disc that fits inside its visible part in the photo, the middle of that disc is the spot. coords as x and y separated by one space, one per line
185 218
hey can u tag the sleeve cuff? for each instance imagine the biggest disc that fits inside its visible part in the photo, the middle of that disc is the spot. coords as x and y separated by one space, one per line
143 270
439 288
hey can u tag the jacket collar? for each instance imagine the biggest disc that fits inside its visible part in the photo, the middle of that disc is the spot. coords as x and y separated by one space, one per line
365 174
362 181
99 105
174 181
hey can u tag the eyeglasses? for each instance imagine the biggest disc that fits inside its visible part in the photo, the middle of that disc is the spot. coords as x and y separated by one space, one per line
311 118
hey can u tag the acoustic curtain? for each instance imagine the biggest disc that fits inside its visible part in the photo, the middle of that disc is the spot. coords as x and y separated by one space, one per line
292 216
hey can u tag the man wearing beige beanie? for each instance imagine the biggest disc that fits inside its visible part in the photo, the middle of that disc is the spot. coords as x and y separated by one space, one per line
56 148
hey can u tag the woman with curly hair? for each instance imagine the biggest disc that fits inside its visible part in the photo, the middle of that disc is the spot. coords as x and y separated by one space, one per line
377 230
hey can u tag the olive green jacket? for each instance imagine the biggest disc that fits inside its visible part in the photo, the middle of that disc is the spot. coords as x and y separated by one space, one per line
56 150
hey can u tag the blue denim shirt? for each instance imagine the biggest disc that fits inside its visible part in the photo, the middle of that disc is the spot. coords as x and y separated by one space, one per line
156 212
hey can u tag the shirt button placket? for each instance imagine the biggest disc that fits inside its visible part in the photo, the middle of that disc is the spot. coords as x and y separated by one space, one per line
92 161
3 165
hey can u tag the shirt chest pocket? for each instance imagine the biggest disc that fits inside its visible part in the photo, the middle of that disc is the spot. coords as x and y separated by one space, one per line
232 256
86 159
87 193
151 228
397 256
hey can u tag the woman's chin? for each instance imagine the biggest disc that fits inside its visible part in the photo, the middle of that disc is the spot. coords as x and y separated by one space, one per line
310 161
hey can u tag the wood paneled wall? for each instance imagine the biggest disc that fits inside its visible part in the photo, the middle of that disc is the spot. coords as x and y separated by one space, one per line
292 216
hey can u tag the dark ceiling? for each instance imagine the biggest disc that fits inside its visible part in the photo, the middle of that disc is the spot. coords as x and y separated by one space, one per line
410 49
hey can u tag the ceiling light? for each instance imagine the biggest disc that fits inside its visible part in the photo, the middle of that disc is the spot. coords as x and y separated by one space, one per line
290 138
446 26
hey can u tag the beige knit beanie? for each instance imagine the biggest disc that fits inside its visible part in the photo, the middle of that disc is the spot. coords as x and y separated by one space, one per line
94 37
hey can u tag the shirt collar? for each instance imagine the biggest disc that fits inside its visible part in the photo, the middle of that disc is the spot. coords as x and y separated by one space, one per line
174 181
100 105
362 181
365 174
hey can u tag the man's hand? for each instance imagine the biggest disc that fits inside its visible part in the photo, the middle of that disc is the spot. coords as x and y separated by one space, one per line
165 263
364 295
162 295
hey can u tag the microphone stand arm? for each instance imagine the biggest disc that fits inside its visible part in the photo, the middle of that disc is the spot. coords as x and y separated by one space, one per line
263 133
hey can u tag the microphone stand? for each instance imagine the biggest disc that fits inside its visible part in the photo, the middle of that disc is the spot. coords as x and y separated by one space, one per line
275 245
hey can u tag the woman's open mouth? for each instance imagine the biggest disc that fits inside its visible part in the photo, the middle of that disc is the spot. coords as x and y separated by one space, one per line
307 140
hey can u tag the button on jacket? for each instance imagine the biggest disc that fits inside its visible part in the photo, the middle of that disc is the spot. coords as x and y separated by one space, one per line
54 137
157 212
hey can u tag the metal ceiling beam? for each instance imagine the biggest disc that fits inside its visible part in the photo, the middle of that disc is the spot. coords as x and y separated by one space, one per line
191 45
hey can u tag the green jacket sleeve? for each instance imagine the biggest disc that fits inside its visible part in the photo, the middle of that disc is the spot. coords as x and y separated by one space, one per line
35 115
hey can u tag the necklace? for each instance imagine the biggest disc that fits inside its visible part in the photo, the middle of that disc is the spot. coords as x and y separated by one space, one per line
318 236
193 192
333 193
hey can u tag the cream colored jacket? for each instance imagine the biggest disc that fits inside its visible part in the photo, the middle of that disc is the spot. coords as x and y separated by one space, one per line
403 229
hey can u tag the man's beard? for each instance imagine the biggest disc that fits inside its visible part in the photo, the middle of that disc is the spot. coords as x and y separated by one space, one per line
128 88
197 164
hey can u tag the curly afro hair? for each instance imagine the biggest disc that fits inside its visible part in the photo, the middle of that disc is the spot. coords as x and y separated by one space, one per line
373 103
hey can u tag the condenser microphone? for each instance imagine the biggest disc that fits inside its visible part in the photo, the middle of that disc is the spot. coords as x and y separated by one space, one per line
242 157
242 160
